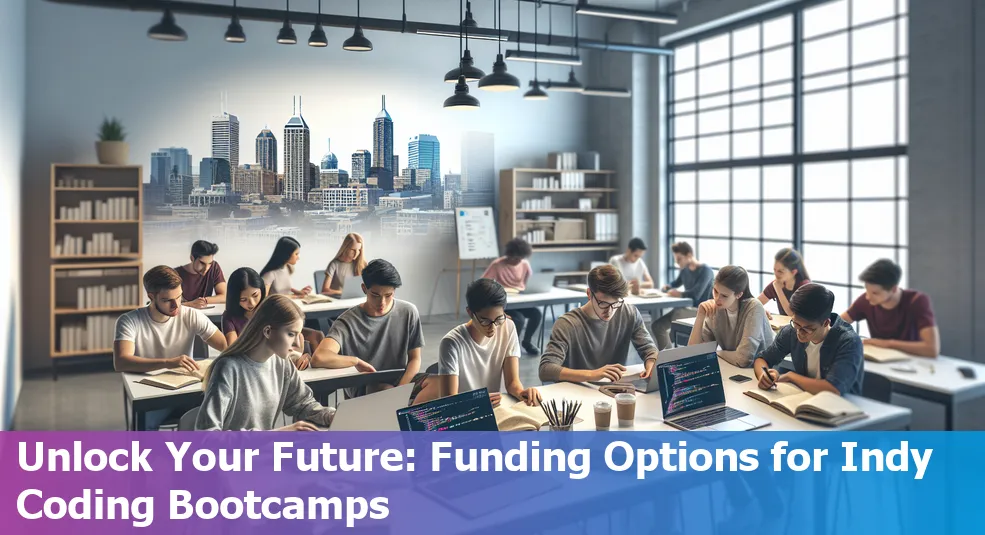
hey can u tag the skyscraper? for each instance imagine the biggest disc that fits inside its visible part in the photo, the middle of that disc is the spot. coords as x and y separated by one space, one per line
424 152
267 150
362 161
478 168
383 140
297 157
160 168
314 178
225 138
180 158
330 161
213 171
395 165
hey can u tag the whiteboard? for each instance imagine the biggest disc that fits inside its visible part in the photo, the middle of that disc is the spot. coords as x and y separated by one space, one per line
476 233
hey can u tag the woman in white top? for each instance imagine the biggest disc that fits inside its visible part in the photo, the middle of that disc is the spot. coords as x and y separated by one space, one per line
277 273
632 266
348 262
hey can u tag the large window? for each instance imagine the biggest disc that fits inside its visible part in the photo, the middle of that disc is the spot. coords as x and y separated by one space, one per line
791 130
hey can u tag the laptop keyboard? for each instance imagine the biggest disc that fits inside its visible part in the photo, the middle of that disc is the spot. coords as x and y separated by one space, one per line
712 417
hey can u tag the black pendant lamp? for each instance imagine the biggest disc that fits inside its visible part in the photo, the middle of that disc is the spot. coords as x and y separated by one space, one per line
535 92
234 32
499 80
167 29
466 66
286 36
358 41
318 38
461 100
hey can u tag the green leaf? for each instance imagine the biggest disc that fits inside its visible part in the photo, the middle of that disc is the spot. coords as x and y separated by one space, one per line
112 130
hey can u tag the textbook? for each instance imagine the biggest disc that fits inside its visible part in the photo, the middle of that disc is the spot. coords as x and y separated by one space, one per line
522 417
884 354
825 408
312 299
779 321
173 379
651 293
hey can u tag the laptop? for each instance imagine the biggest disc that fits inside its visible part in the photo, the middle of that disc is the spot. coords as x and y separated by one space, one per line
651 384
468 411
372 412
692 396
352 290
539 283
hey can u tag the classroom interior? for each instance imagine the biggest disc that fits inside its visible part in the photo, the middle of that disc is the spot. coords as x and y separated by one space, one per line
847 129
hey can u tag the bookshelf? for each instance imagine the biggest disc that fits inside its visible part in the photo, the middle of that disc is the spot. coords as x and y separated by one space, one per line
95 248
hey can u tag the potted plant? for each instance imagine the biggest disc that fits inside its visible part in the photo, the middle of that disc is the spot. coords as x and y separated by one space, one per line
112 149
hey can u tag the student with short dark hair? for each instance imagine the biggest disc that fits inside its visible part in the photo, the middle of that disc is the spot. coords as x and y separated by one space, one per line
733 318
383 333
482 353
592 341
632 266
897 318
202 281
696 278
826 351
512 270
278 270
790 273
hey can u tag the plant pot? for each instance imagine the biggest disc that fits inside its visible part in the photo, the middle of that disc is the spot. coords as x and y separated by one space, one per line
113 152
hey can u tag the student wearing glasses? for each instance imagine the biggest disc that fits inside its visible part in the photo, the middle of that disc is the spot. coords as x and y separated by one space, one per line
826 351
484 352
592 341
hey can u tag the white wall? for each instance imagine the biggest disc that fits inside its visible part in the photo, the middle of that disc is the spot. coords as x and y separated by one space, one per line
12 54
84 63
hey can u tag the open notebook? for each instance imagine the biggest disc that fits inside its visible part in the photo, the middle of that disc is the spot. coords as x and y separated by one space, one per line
825 408
177 378
521 417
884 354
312 299
651 293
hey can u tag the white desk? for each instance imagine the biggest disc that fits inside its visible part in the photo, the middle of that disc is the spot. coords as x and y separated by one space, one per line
654 305
315 311
542 300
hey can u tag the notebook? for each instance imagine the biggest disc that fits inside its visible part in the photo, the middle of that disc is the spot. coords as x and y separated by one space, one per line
522 417
825 408
651 293
312 299
884 354
174 379
779 321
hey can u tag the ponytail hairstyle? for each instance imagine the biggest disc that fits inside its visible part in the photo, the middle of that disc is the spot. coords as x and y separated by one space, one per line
736 279
360 262
791 259
282 253
275 311
240 280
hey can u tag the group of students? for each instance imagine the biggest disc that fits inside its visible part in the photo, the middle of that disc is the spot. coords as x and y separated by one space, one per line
264 342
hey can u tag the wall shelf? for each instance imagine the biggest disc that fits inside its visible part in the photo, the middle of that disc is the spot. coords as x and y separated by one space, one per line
560 190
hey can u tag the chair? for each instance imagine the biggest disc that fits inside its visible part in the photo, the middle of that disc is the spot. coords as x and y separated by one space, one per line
319 280
187 421
877 387
432 369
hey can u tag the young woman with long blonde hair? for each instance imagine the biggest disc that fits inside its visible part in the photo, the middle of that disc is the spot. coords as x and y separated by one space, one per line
348 263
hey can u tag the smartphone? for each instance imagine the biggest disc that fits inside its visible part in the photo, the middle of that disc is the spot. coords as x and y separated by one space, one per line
740 378
967 372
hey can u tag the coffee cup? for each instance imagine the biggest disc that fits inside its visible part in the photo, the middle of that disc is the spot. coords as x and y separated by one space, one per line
626 409
603 415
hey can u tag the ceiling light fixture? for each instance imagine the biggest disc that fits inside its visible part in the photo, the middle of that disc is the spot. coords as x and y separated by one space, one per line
167 29
461 100
572 85
466 66
286 35
478 34
358 41
583 8
318 38
499 80
598 91
543 57
234 32
535 92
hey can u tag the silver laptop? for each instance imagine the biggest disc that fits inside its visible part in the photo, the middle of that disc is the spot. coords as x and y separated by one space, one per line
353 289
372 412
692 395
539 283
651 384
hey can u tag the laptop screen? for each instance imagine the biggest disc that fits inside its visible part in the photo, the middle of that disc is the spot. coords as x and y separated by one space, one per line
690 383
468 411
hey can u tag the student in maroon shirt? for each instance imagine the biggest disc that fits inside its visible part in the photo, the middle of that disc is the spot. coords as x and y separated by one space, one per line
202 281
791 273
898 319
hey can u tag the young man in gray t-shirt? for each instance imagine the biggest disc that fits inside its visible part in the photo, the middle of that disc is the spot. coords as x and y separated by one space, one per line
383 333
592 341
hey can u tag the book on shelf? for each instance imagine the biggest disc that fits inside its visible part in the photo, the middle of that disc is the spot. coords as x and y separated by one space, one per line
825 408
884 354
173 379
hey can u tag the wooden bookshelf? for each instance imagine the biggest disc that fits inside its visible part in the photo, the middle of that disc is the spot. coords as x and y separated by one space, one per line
99 276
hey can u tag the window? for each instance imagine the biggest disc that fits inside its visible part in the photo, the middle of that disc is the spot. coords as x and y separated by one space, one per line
790 130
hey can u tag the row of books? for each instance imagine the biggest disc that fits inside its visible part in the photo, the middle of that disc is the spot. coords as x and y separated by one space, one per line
534 236
91 334
71 182
537 204
83 273
102 243
104 297
112 209
567 180
606 227
562 160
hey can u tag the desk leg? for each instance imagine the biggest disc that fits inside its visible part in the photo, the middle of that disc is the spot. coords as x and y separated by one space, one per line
949 415
140 421
126 409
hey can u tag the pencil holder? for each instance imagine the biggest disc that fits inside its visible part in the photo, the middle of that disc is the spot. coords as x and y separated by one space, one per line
560 427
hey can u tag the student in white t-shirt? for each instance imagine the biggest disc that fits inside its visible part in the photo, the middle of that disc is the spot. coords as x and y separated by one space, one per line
277 273
632 266
162 334
483 353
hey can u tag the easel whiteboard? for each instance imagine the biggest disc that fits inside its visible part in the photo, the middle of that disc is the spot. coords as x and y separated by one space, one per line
476 233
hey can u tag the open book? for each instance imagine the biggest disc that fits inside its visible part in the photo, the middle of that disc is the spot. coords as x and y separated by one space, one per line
651 293
825 408
174 379
312 299
884 354
779 321
521 417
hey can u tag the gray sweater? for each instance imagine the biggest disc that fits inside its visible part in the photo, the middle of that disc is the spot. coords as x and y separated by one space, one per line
697 284
246 395
580 342
740 339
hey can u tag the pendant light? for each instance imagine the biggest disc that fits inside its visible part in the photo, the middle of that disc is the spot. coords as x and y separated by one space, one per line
286 36
535 92
318 38
358 41
234 32
461 100
572 85
466 66
167 29
500 80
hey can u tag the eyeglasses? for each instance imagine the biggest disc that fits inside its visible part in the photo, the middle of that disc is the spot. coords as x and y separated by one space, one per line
606 305
806 331
486 323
